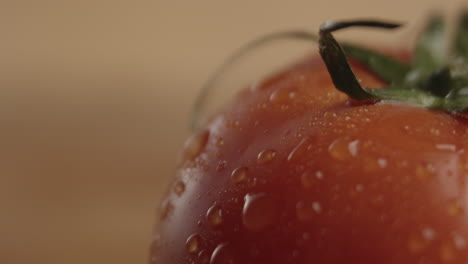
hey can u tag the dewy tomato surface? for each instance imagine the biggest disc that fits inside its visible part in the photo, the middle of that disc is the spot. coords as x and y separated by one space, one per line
293 171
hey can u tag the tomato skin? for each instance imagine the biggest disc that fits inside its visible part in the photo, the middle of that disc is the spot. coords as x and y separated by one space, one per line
293 172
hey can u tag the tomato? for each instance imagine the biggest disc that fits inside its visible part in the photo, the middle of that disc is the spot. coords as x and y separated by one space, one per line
295 171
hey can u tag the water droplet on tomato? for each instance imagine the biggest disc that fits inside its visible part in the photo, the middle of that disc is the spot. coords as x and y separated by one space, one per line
434 131
382 163
239 175
307 210
299 150
423 172
204 257
446 147
196 144
428 233
179 188
317 207
223 254
459 241
282 96
359 187
214 216
259 211
343 149
221 165
266 156
353 147
193 244
252 181
219 142
309 179
166 209
454 208
319 175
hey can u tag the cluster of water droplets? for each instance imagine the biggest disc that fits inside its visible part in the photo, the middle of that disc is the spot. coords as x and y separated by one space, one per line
259 210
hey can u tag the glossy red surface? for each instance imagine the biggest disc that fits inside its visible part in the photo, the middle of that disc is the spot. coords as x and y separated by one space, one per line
292 172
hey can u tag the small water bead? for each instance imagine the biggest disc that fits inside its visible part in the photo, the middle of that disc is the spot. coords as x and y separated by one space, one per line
282 96
239 175
454 208
307 210
459 241
252 182
179 188
359 187
196 144
204 257
434 131
423 172
329 114
266 156
353 147
428 233
219 142
259 211
309 179
446 147
223 255
214 216
166 209
221 165
193 244
319 175
382 163
299 150
343 148
317 207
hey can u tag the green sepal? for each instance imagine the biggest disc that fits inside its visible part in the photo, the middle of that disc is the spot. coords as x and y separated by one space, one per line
387 68
460 45
430 81
429 53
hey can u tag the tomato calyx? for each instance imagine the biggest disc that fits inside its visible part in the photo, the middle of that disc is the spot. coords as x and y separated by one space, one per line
434 79
431 80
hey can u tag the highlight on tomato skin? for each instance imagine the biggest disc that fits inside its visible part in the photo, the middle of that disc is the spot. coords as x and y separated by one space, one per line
296 171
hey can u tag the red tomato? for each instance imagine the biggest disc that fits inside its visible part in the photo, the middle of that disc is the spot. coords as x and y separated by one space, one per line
293 171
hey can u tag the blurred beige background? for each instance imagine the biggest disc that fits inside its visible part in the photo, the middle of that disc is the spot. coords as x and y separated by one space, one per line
95 99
